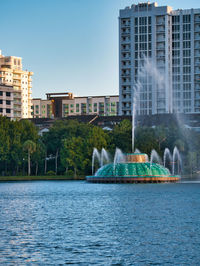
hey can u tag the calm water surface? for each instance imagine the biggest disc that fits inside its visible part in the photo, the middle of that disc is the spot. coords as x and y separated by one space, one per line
64 222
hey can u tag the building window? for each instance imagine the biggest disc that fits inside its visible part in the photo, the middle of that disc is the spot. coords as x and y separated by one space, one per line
1 93
7 102
1 101
7 111
77 108
8 94
1 110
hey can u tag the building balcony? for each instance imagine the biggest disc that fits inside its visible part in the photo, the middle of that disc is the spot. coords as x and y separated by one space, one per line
125 25
160 48
126 108
160 41
17 96
126 41
17 108
160 23
197 70
17 115
197 87
16 83
197 28
15 77
125 74
17 103
125 34
125 49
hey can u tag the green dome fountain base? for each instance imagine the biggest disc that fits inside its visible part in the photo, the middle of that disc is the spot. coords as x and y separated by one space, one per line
135 170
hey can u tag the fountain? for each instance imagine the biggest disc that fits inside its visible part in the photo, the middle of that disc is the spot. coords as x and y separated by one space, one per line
135 167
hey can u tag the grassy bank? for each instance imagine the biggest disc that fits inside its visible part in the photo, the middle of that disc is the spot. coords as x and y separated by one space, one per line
32 178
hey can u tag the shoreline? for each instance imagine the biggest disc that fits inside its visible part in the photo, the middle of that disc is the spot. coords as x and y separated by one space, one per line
39 178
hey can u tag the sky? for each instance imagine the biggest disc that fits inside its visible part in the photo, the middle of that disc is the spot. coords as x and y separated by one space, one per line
70 45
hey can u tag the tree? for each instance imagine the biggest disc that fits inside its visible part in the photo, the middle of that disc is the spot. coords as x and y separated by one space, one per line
121 136
72 154
30 147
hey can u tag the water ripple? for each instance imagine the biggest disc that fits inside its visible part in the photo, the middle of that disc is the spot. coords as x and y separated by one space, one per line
48 223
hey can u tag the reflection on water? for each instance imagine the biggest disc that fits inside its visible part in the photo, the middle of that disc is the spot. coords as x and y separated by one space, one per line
101 224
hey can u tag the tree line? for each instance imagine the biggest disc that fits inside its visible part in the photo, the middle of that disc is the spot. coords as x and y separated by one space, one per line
66 149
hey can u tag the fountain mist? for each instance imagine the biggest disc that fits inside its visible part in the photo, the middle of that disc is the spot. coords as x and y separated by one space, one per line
147 71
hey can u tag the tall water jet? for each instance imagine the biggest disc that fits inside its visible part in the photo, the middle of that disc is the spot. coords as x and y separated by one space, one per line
176 156
167 154
96 155
104 157
154 157
146 70
136 89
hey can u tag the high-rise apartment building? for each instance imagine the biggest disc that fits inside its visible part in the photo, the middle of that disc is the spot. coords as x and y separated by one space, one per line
159 59
12 74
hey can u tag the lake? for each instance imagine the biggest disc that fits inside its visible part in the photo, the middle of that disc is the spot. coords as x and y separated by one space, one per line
80 223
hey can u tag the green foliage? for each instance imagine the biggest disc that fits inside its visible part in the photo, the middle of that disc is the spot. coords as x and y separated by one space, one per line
121 136
50 173
67 147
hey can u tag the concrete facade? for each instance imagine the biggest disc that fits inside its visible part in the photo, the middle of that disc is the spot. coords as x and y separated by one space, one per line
12 74
159 51
71 106
6 101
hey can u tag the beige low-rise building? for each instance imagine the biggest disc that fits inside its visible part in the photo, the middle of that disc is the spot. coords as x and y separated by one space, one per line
12 74
65 104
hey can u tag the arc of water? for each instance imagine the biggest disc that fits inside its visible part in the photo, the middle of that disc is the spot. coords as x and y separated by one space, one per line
118 158
179 162
167 153
95 154
104 157
154 157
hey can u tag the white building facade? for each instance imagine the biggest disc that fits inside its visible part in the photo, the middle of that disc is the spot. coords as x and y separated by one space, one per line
159 59
12 74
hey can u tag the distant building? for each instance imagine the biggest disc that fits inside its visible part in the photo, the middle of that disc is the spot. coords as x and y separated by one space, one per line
12 74
170 41
6 101
65 104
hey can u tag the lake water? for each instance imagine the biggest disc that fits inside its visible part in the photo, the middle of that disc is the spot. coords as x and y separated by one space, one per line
66 222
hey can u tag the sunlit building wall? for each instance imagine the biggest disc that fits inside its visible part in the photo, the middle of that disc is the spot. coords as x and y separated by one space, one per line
12 74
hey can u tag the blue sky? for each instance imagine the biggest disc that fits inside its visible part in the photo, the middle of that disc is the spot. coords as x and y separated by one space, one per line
70 45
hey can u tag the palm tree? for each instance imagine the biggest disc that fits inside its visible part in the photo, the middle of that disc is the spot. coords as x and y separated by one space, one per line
30 147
